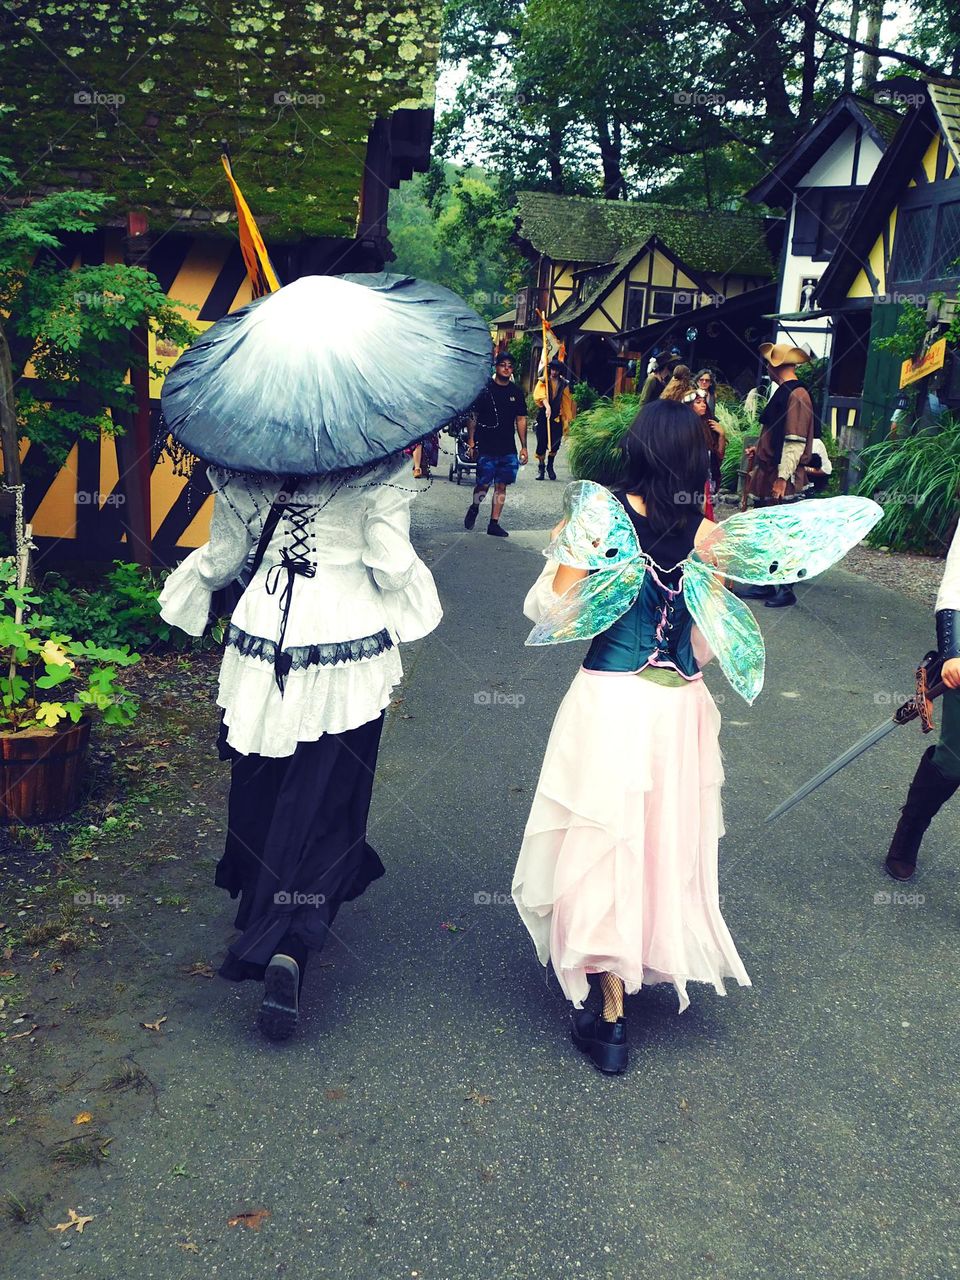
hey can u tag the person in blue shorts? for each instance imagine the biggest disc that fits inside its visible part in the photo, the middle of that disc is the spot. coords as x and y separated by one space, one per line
498 417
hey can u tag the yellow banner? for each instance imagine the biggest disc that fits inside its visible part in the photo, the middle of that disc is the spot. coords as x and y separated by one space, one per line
263 278
930 362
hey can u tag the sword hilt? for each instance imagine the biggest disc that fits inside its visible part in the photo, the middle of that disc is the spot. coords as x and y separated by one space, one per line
928 686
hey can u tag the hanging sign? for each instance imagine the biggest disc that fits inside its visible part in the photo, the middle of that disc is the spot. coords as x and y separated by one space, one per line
929 362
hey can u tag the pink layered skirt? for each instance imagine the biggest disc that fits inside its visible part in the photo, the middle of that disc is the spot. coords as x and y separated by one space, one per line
618 868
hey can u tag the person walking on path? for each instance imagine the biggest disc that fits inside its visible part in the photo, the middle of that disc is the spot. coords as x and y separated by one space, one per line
617 877
292 402
497 418
657 380
562 412
786 438
938 774
680 386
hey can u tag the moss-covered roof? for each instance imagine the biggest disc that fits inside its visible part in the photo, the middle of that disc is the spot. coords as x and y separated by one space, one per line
132 97
582 229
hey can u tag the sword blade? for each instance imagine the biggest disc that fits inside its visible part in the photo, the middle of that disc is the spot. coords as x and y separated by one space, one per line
841 762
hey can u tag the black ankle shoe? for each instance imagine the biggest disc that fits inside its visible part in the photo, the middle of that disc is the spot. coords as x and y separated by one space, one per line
550 471
782 598
495 531
280 1009
605 1042
470 519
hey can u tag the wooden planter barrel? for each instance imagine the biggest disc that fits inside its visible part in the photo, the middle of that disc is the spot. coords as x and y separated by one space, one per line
40 772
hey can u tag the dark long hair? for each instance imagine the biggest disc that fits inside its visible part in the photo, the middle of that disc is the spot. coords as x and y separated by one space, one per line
666 462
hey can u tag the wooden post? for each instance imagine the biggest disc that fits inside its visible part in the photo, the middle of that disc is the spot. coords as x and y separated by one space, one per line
135 446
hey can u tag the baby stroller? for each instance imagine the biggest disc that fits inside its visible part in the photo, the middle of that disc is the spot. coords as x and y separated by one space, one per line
462 464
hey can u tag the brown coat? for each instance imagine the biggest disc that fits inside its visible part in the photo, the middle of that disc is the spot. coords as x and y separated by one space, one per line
792 408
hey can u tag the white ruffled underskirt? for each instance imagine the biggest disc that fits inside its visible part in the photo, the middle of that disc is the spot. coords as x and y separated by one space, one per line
618 868
316 700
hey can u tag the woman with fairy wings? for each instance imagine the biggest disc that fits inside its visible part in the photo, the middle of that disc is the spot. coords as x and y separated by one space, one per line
617 878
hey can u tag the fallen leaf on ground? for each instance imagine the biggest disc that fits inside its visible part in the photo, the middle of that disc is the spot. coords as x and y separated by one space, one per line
154 1026
187 1246
73 1220
334 1095
20 1034
252 1219
198 970
83 1117
481 1099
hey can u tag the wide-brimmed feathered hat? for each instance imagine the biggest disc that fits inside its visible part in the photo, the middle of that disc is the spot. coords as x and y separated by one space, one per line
328 373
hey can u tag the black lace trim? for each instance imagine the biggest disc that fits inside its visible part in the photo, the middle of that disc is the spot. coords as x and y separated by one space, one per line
310 655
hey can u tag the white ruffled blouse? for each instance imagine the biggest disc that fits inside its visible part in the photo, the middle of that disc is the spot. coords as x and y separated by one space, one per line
341 555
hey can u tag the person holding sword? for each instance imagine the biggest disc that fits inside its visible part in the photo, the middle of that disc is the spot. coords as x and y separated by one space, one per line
938 774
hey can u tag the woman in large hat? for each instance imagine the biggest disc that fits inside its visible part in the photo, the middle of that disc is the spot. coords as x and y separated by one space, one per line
303 403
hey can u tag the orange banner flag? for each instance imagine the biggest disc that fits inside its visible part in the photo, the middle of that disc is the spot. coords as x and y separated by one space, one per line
263 278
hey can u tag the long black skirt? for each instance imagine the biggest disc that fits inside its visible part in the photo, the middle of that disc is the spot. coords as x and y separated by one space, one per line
297 844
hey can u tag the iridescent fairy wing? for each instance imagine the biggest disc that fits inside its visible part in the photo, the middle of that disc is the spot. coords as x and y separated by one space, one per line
728 627
787 543
590 606
597 533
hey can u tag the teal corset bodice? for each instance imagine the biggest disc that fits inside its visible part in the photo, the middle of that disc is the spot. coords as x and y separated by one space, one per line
655 629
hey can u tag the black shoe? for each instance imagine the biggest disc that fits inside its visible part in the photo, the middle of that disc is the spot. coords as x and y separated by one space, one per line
605 1042
756 593
550 471
781 599
470 519
280 1009
929 791
494 529
540 472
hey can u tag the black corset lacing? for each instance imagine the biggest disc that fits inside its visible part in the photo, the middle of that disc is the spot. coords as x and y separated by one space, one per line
295 561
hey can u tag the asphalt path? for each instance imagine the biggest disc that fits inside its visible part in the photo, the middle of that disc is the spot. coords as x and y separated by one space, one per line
432 1120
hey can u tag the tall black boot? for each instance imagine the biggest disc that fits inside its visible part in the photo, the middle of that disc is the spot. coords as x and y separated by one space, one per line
929 792
550 471
540 469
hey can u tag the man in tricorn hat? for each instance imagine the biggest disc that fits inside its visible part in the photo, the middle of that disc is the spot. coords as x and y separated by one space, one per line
785 443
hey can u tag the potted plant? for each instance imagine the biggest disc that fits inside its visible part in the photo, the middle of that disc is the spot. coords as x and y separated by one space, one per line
50 686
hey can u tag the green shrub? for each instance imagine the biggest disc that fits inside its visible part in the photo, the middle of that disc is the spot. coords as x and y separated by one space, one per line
584 396
120 610
916 479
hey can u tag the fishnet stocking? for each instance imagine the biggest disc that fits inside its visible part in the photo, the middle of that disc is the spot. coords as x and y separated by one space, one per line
612 988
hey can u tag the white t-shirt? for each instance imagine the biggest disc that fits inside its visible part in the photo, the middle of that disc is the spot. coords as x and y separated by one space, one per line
818 447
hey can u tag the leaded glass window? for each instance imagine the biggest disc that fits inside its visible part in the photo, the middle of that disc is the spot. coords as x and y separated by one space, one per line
947 247
913 238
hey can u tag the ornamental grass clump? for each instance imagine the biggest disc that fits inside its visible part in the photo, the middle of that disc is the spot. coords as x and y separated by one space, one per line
48 678
916 479
595 437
